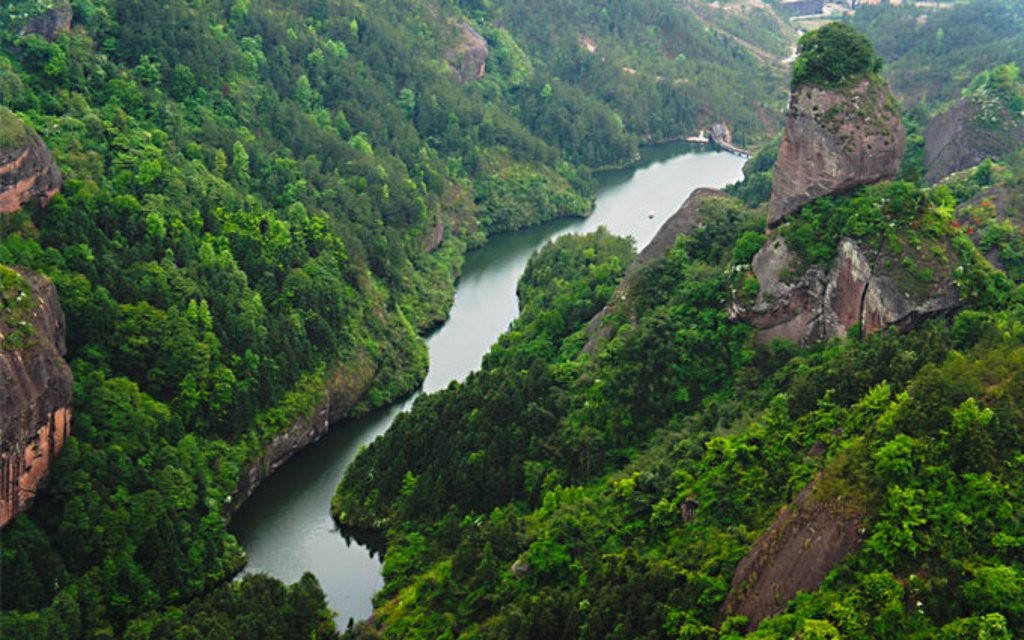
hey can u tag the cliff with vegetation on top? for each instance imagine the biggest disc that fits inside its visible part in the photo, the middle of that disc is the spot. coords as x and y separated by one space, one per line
988 122
35 387
843 127
854 265
28 172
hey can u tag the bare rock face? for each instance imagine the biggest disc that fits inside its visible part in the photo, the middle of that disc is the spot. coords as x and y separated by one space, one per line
27 170
35 387
955 139
51 23
834 142
804 543
860 287
469 57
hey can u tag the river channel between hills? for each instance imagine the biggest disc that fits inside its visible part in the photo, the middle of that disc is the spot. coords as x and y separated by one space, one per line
286 526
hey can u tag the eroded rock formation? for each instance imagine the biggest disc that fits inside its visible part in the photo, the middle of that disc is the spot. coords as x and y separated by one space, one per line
468 58
959 138
35 387
835 141
27 170
804 543
862 287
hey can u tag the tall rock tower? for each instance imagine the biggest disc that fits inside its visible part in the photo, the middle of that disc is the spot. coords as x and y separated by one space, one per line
843 129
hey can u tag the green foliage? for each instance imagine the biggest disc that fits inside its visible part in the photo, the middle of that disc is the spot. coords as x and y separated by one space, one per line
930 52
13 131
254 199
256 606
631 480
756 186
998 95
834 56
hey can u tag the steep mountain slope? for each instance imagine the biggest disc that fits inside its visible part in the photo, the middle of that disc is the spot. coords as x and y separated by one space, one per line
932 50
265 204
665 482
988 122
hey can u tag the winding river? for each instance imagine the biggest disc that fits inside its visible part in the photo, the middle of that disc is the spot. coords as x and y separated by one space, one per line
286 527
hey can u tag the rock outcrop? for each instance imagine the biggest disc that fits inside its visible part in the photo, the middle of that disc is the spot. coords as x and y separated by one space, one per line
684 220
835 141
343 390
803 544
956 139
35 387
862 287
27 170
468 57
51 23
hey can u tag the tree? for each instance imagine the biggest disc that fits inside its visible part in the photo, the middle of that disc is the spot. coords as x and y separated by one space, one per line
833 56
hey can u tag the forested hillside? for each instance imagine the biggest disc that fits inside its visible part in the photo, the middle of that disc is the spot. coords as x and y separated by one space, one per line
932 52
645 488
265 204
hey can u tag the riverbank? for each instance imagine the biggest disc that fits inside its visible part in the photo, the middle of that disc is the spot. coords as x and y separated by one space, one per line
286 527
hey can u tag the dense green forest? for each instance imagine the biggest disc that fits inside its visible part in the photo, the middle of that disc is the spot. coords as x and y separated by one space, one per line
932 53
267 199
542 496
564 492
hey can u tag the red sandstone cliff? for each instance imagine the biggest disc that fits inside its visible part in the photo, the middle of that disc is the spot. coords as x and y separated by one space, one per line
956 139
35 387
27 170
835 141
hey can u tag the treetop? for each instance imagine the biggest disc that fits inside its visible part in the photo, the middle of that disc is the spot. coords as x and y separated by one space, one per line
834 56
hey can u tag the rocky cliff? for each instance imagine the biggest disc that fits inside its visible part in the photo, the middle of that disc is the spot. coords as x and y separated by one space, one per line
803 544
872 288
35 387
27 170
961 137
469 57
344 388
52 22
835 140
